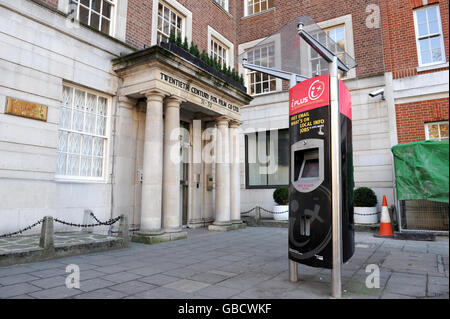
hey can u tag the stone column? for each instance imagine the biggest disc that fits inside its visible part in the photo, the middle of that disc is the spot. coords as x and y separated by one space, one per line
235 184
222 156
151 201
171 171
195 178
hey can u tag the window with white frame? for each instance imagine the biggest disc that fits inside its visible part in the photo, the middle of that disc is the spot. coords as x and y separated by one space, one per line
219 51
96 13
258 82
169 20
429 37
256 6
337 35
82 134
222 3
436 131
267 159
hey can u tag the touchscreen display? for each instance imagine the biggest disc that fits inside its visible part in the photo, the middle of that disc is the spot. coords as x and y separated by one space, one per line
311 168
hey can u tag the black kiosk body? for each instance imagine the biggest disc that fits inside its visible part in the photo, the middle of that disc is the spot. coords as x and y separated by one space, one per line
310 214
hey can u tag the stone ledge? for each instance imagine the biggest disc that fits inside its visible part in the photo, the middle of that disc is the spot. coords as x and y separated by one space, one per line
221 227
85 244
155 239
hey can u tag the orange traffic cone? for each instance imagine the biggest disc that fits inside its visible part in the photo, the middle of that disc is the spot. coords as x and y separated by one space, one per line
385 222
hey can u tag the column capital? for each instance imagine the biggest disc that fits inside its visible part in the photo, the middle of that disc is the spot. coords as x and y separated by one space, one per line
125 101
154 95
235 123
223 120
174 101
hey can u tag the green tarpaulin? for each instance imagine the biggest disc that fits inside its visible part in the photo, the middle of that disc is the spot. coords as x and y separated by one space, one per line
421 170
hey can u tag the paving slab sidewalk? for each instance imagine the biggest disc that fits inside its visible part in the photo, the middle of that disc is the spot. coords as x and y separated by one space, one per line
246 263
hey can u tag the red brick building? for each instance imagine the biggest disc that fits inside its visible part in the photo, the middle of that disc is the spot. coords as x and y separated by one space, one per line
416 53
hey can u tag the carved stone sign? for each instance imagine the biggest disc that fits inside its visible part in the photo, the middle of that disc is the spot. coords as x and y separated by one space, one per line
207 99
26 109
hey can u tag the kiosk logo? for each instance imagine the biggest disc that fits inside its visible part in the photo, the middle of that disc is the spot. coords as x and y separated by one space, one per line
316 90
309 94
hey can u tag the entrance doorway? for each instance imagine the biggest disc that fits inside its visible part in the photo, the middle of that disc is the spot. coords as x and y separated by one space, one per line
184 170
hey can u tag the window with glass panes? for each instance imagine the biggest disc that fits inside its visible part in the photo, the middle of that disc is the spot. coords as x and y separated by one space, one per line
222 3
258 82
82 134
430 43
337 35
219 52
168 20
437 131
95 13
255 6
267 159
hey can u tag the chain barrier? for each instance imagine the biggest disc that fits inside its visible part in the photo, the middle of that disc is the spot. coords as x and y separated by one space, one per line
21 230
249 211
95 217
367 214
264 210
99 223
277 213
273 213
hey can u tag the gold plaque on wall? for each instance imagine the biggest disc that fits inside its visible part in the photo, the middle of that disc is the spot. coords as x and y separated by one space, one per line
26 109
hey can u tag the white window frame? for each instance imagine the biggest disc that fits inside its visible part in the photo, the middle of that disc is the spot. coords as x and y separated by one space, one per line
427 133
214 35
418 38
248 14
177 7
225 5
245 72
178 16
106 146
118 25
349 39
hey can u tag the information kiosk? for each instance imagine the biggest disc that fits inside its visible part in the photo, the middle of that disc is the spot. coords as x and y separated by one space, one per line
310 207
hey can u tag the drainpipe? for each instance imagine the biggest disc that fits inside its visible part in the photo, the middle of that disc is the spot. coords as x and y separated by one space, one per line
116 105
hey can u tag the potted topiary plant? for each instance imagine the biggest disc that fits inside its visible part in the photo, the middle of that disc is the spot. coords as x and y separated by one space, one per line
365 206
281 197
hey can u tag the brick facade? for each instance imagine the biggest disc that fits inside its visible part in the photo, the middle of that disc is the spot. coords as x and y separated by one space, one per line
411 118
399 39
367 41
390 48
139 24
204 13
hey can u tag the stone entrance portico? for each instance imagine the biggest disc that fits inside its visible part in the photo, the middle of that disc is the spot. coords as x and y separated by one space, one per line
174 89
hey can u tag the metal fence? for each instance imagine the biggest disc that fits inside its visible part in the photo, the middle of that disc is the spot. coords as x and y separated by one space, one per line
424 215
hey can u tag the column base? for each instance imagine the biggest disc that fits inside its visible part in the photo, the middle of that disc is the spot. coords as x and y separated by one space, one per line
214 227
149 239
195 224
238 224
226 227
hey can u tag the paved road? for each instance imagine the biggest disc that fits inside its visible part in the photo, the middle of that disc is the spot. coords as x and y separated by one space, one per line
248 263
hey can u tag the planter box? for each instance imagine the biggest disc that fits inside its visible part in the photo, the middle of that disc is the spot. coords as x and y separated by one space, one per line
281 212
172 47
365 215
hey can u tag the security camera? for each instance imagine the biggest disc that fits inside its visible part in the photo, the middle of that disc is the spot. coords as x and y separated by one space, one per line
377 92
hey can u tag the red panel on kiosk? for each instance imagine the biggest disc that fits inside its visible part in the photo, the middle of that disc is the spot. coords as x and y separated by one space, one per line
309 94
314 93
345 100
